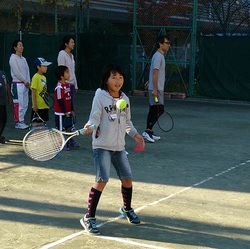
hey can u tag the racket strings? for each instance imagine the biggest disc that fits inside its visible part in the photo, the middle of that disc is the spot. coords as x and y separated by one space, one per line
165 122
43 144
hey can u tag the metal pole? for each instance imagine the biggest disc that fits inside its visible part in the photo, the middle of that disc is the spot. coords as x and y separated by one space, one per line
81 17
193 50
134 46
87 16
56 18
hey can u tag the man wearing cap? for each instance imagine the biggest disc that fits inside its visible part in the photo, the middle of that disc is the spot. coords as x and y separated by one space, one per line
40 100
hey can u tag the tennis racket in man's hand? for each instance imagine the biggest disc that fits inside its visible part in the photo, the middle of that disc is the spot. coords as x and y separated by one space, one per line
45 143
165 121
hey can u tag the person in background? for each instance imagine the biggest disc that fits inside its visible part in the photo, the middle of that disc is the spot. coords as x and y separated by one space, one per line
5 97
20 74
66 58
156 87
40 101
64 110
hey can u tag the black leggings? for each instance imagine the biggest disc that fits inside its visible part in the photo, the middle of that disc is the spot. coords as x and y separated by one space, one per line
3 118
155 111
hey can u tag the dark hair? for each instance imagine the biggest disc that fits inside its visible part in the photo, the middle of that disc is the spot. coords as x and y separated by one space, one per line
59 72
66 39
106 72
160 39
14 44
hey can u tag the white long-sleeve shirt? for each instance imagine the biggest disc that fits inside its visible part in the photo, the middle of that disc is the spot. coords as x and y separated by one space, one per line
68 61
19 69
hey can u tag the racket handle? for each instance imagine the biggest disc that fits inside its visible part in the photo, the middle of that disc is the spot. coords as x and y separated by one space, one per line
82 131
156 100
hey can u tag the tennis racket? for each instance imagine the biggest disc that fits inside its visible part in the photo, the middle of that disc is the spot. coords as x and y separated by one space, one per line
165 121
45 143
51 101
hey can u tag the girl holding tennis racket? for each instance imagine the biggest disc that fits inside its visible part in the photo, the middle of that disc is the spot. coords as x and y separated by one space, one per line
108 144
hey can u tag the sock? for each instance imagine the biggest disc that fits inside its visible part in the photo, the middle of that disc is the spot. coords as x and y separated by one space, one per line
94 197
127 197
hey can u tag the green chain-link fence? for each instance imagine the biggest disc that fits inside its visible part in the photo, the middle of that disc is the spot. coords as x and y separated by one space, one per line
105 32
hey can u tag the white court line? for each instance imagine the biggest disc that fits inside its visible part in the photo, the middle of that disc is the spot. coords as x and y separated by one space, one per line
141 208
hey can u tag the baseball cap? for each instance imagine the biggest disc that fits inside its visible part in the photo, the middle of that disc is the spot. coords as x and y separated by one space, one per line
41 62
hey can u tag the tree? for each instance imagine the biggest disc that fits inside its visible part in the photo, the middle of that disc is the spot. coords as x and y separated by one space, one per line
226 17
161 13
18 9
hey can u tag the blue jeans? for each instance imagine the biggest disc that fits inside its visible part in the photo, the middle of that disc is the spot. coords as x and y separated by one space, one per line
103 160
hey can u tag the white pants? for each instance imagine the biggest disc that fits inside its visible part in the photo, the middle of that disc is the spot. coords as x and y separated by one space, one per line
20 99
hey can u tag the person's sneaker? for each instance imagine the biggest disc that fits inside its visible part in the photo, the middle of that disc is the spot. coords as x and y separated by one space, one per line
89 225
146 135
66 147
3 140
130 216
73 144
155 137
21 126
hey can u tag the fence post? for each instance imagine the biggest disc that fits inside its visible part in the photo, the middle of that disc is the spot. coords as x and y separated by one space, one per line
193 50
134 47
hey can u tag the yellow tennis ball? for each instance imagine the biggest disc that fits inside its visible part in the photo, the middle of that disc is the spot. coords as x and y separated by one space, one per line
121 104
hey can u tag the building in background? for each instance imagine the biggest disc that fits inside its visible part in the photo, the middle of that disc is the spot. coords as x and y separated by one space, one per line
51 17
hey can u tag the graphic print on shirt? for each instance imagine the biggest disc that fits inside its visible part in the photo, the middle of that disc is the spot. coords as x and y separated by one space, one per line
114 113
43 93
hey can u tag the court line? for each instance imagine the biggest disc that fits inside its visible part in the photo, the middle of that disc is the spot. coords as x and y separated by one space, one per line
141 208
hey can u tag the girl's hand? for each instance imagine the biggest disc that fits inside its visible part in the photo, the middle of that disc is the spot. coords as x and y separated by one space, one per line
139 140
88 130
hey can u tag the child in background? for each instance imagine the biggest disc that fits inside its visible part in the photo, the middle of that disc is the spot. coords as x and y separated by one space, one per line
108 142
64 110
40 100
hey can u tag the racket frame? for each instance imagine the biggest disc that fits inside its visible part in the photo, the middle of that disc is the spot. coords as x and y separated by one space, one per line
171 118
35 155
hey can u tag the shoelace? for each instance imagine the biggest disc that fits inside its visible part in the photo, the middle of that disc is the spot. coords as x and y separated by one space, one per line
92 223
131 212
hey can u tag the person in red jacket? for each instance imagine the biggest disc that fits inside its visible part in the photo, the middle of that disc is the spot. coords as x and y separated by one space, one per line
64 110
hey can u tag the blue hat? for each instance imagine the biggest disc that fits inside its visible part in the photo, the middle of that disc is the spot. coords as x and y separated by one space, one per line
41 62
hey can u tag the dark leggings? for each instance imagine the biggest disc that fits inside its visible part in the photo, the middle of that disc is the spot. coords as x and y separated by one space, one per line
3 118
155 111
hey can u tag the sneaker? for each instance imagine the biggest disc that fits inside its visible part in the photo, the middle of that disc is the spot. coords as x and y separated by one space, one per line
146 135
21 125
3 140
73 144
89 225
130 216
155 137
66 147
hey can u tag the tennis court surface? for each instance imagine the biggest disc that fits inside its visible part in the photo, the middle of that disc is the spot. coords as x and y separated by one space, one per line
191 188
